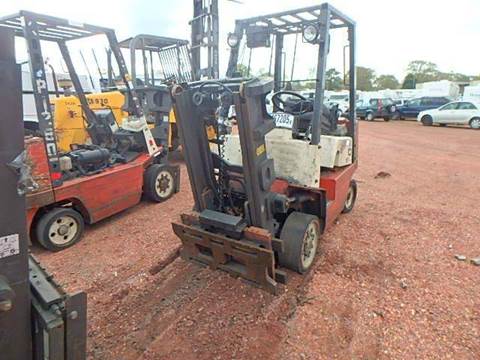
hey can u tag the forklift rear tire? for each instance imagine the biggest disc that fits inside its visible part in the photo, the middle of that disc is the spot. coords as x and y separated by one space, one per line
351 198
158 183
300 235
60 228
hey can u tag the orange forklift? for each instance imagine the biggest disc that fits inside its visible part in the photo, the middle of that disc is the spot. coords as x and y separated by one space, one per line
93 181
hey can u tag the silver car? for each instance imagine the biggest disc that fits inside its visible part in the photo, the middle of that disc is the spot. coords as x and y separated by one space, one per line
457 112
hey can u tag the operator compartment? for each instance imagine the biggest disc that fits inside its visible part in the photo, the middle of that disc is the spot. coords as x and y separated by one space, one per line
296 159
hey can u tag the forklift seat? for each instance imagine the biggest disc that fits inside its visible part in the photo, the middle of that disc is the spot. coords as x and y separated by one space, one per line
302 123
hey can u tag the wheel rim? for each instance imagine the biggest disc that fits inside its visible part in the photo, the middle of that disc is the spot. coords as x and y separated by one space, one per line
369 117
63 230
475 124
349 200
310 243
164 184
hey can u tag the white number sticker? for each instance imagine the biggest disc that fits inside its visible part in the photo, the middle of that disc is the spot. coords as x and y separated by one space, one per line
283 120
9 246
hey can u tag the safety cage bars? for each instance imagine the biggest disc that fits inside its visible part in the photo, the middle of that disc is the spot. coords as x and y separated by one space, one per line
173 55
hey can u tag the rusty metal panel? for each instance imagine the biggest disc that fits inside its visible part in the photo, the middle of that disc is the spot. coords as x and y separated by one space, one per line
76 326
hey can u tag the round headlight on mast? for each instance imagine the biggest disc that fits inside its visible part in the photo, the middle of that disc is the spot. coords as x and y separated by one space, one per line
310 33
232 40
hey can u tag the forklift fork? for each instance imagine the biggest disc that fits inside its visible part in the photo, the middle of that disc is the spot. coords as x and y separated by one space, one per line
238 258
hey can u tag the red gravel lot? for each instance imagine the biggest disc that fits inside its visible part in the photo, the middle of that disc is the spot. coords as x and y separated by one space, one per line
386 285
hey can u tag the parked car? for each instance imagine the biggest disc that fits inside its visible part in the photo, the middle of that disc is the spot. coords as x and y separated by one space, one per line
413 107
457 112
400 102
377 108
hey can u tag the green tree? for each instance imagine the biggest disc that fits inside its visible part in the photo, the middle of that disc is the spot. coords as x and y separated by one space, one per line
452 76
243 70
365 78
386 82
423 71
409 82
333 80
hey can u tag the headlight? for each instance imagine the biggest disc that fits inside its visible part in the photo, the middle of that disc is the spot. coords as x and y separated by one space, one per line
310 33
232 40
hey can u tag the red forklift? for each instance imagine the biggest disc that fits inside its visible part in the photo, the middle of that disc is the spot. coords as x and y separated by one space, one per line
96 180
264 197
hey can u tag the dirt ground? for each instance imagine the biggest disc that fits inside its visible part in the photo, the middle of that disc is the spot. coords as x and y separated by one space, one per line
386 285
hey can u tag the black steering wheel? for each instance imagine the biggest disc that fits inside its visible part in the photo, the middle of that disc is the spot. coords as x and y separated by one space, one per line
210 88
280 104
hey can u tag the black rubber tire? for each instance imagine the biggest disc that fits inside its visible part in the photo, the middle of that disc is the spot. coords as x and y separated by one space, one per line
293 234
43 228
442 125
351 199
427 120
153 175
369 116
362 117
471 123
386 119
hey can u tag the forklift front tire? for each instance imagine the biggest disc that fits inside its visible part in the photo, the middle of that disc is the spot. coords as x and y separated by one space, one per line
351 198
60 228
159 183
300 235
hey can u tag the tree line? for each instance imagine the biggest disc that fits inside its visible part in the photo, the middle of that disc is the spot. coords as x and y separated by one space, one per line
418 71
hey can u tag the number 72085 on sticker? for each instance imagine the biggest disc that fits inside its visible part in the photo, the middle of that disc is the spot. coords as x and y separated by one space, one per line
283 120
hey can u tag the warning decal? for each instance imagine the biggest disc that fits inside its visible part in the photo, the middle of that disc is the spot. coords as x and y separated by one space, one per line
9 246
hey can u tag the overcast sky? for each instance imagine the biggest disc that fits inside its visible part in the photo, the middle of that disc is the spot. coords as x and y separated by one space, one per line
390 33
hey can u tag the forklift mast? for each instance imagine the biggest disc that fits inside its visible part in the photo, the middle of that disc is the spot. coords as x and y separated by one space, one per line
36 28
205 34
323 19
38 320
15 328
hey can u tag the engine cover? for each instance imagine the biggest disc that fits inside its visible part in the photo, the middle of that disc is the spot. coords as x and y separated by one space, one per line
297 160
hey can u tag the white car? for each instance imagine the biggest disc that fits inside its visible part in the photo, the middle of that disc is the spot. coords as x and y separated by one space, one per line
457 112
341 100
